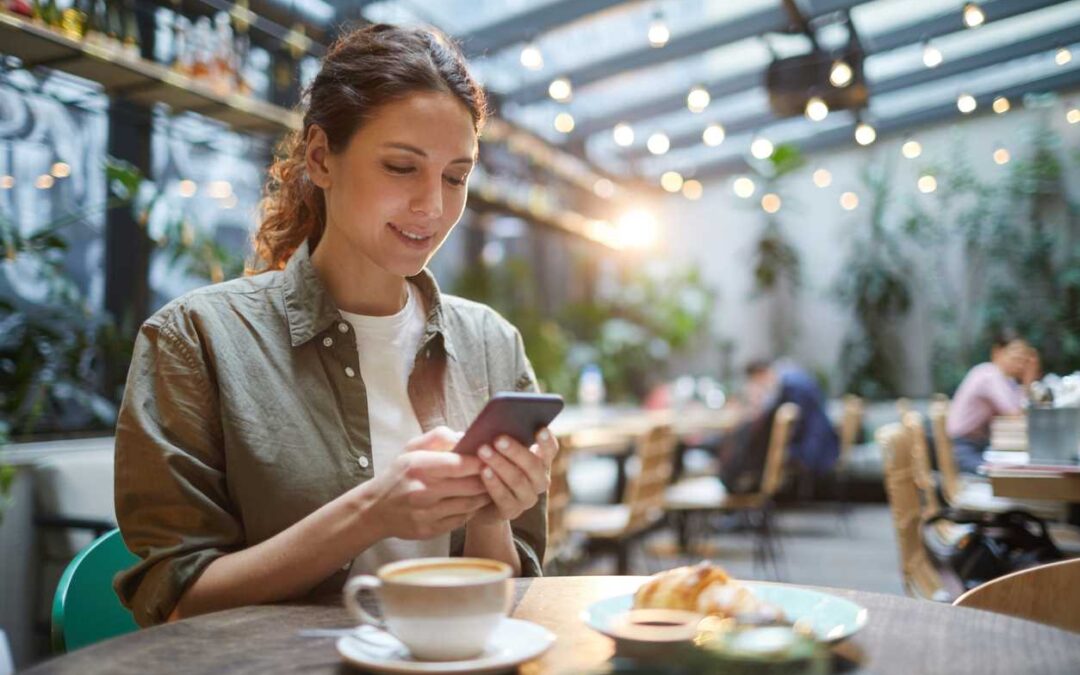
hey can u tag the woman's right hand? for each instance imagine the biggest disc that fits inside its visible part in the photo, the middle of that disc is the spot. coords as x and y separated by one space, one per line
427 491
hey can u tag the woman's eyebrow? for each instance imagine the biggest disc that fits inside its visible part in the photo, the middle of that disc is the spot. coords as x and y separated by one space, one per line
417 151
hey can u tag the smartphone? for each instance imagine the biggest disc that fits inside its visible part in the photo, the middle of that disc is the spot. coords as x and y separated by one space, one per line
514 414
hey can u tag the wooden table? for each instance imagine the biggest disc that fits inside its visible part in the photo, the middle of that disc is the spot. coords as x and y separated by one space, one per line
903 636
1017 483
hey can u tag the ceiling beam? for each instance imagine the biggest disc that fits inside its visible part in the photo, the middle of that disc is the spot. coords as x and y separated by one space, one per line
1033 45
765 21
901 123
941 24
528 25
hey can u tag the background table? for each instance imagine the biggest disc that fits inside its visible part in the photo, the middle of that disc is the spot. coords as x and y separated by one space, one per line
903 636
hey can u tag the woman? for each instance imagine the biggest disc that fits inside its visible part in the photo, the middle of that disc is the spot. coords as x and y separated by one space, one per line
283 430
989 390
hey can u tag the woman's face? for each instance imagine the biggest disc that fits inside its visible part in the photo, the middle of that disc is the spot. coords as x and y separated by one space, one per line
398 188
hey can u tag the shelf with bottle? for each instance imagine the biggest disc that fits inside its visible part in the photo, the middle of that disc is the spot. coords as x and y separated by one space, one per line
101 55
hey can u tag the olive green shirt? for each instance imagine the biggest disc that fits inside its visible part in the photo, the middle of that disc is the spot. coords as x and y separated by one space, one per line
245 411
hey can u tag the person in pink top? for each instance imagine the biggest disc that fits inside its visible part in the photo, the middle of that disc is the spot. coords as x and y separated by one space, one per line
988 390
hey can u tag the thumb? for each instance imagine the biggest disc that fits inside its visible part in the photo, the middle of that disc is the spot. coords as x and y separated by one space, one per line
439 438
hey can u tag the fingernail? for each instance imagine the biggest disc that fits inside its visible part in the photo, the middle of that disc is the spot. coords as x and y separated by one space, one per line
502 444
544 435
485 452
488 473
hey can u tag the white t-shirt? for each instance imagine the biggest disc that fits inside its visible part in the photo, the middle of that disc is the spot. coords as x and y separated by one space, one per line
387 347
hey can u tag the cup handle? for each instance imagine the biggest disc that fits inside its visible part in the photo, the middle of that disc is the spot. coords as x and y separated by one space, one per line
352 588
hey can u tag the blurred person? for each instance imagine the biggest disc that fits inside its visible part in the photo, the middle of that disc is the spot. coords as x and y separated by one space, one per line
281 431
988 390
814 445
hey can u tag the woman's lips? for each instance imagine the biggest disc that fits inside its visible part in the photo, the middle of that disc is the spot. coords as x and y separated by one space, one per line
411 239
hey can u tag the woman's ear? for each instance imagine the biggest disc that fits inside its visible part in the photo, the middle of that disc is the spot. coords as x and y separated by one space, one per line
317 156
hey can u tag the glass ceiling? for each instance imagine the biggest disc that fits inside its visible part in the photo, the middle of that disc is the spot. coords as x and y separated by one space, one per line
621 77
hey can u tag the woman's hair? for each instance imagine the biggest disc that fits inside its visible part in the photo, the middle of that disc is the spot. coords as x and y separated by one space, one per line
363 70
1004 336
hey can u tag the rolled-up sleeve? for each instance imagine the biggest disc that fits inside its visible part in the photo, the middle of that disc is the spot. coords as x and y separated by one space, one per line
172 501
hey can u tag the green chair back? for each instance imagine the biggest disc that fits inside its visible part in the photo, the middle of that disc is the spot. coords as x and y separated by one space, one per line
85 607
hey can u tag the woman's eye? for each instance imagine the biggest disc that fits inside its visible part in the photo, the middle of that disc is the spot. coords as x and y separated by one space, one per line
458 182
393 168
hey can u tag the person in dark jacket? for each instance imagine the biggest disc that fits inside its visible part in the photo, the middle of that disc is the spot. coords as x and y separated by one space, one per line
814 445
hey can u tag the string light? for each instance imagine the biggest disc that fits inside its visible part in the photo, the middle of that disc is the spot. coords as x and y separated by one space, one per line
1001 156
770 202
564 123
637 229
671 181
187 188
966 103
698 99
849 201
927 184
822 178
911 149
973 15
659 34
60 170
1001 105
931 56
658 143
762 148
816 109
840 75
560 89
743 187
603 188
692 190
713 135
623 134
1063 56
1073 116
44 182
865 134
7 182
531 57
219 189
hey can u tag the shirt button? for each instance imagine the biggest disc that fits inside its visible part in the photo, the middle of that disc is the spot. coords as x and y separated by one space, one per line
343 327
363 462
349 371
327 341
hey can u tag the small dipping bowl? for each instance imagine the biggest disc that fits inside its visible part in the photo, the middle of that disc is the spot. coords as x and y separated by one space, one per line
650 634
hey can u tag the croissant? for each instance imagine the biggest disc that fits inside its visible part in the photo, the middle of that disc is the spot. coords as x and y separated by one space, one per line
706 589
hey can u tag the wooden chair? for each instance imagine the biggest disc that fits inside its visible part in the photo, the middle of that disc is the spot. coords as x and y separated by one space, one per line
974 493
921 579
616 526
1048 594
695 499
851 423
558 539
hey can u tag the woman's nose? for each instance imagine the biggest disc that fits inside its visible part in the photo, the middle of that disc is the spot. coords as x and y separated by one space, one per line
429 200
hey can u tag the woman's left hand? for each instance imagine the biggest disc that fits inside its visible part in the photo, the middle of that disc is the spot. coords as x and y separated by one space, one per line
515 476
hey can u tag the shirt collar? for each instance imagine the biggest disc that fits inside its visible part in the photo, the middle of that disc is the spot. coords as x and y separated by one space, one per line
310 310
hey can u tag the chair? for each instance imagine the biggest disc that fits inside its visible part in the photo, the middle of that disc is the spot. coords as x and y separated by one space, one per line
921 579
85 607
1048 594
617 526
975 493
558 501
706 495
851 422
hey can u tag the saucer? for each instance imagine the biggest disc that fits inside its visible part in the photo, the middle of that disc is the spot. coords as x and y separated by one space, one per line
513 642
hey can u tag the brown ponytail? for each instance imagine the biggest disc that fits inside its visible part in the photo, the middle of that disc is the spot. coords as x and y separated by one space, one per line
363 70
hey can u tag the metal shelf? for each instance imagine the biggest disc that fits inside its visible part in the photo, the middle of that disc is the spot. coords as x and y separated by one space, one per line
137 79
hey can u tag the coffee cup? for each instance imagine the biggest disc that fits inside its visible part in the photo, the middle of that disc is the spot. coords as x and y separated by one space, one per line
441 609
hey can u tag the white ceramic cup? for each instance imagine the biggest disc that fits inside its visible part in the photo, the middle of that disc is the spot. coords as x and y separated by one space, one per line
442 609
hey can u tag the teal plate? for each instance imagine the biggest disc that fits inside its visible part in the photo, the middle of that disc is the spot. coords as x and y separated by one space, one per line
832 618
